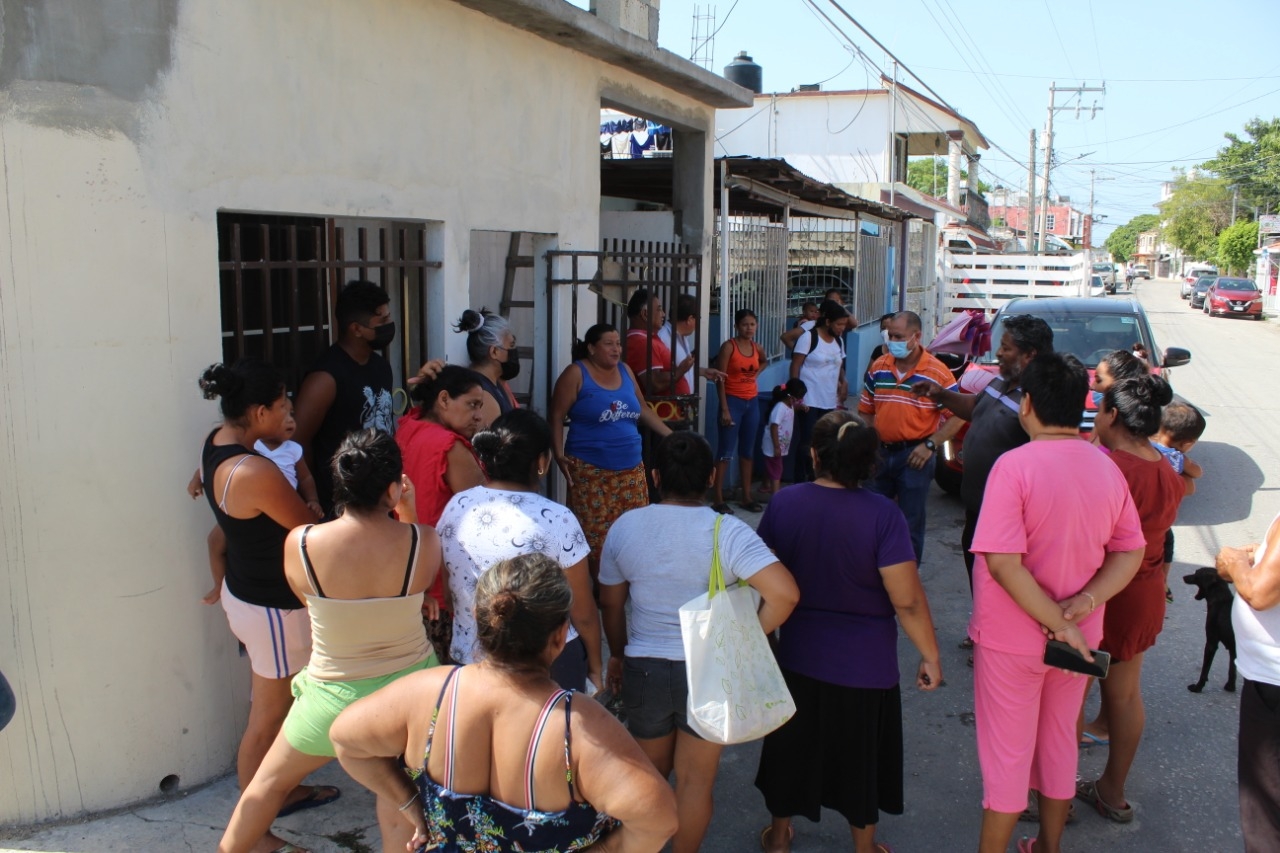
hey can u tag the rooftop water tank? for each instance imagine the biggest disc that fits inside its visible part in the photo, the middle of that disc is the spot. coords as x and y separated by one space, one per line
745 73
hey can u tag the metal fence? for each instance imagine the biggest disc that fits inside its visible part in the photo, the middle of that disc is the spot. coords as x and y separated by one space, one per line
279 278
756 278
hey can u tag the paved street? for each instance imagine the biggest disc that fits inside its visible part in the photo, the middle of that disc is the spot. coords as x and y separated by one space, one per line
1183 781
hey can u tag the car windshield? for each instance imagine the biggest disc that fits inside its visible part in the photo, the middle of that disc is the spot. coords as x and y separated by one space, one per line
1088 335
1102 267
1236 284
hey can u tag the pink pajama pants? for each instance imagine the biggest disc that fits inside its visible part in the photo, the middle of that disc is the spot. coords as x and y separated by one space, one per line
1026 721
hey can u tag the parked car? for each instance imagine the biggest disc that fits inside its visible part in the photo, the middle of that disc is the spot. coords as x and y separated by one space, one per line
1188 284
1141 271
1107 272
1198 290
1098 286
1192 273
1233 297
1089 329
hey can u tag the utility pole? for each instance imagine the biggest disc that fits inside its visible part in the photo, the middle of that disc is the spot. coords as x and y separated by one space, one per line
1088 243
1031 197
1235 197
1078 91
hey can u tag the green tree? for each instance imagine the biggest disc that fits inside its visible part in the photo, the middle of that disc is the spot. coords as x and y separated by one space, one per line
929 176
1252 164
1196 213
1236 245
1123 241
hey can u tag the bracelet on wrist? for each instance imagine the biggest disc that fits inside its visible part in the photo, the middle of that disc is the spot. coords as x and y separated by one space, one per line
1093 605
409 802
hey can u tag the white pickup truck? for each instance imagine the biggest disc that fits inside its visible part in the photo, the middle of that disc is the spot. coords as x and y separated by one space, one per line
1107 272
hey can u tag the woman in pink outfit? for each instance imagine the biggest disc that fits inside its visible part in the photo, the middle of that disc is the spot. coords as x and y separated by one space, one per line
1057 536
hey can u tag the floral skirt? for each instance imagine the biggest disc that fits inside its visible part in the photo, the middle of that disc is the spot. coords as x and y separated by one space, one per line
599 496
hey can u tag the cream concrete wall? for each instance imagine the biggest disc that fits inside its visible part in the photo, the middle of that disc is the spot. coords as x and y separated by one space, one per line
109 309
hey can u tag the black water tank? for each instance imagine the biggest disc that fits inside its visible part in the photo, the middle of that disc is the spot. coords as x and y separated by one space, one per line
745 73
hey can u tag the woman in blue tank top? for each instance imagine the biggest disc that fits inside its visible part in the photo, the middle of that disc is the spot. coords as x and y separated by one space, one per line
601 459
542 773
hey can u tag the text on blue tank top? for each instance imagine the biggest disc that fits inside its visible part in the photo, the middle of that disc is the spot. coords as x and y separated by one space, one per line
603 424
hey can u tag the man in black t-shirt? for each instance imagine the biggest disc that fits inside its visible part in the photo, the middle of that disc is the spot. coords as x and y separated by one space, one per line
350 386
992 414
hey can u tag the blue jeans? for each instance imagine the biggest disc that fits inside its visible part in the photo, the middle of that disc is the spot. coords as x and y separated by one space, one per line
895 479
742 435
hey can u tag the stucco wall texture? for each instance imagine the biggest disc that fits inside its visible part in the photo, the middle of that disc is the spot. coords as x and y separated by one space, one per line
125 125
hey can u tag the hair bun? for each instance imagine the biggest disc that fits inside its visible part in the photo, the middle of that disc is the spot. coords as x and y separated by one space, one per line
470 321
219 381
505 605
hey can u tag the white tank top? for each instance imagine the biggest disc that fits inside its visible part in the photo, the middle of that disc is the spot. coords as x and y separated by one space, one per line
1258 631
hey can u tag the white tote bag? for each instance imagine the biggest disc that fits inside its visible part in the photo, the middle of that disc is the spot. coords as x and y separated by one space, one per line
736 691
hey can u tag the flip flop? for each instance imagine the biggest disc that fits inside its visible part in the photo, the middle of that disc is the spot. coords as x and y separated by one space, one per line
1090 739
723 508
1088 791
764 835
290 847
318 797
881 847
1026 845
751 506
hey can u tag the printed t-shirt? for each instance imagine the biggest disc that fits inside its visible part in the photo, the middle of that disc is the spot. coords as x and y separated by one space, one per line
843 631
362 400
604 426
994 429
638 355
900 414
785 417
664 553
1157 491
742 371
482 526
1063 506
820 370
1174 456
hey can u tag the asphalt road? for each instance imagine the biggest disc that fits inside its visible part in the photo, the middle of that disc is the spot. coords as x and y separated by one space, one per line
1183 781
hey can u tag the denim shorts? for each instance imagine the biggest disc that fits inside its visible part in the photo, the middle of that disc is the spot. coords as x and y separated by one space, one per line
656 694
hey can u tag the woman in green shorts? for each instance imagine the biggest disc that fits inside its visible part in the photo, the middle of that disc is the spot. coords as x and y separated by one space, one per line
362 577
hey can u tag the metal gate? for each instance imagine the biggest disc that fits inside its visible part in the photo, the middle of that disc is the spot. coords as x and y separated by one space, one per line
756 278
666 270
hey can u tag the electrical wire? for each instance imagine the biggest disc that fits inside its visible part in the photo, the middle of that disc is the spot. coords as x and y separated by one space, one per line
1048 8
1181 123
723 21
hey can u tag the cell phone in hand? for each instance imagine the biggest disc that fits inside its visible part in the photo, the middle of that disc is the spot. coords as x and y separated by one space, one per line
1060 655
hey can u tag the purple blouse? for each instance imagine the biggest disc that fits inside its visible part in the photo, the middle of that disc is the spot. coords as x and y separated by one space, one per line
835 541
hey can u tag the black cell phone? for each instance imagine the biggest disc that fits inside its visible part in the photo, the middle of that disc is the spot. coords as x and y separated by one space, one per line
1062 656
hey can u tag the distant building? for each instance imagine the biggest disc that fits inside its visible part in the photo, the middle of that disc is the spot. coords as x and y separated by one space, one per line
1010 210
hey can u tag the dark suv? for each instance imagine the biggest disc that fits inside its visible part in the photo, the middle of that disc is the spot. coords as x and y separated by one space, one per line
1089 329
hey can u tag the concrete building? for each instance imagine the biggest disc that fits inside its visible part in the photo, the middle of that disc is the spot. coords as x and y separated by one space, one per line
1009 210
190 180
859 141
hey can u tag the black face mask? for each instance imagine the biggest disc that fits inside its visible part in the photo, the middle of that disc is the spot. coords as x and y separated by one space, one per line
383 335
510 367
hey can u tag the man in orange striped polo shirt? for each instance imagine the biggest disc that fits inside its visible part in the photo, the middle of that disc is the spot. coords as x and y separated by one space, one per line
906 422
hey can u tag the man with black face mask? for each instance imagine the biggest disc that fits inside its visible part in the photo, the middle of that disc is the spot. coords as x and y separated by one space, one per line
491 346
350 386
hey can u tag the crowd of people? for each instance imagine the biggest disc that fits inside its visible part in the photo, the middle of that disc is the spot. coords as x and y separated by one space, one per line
399 586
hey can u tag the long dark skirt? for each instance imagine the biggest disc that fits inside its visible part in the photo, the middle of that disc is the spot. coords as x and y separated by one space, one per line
842 750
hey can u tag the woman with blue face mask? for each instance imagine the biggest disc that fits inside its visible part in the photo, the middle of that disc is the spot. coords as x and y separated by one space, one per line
1117 365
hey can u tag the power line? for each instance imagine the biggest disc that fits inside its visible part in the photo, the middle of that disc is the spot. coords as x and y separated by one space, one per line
1061 44
723 21
1181 123
1109 79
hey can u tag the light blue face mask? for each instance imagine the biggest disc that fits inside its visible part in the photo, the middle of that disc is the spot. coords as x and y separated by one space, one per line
1097 398
899 349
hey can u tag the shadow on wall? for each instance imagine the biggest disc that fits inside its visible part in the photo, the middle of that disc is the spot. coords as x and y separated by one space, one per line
1225 492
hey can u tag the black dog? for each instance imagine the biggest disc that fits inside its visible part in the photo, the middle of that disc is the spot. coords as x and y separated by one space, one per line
1217 626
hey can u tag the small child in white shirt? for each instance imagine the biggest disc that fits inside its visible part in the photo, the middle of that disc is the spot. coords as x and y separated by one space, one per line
775 442
287 455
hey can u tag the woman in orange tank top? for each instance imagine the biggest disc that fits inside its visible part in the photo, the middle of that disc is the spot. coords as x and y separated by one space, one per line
741 361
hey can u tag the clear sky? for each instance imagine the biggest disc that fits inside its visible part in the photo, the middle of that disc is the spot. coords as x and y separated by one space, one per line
1179 73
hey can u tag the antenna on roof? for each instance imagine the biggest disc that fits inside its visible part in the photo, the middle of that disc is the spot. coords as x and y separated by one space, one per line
702 46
